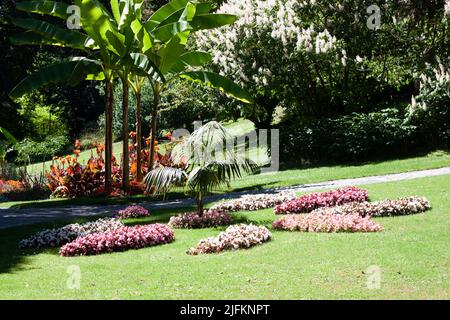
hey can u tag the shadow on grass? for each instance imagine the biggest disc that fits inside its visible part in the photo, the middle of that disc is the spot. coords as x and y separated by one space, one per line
12 258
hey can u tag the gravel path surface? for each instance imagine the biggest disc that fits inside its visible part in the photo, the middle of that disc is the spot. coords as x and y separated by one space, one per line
15 217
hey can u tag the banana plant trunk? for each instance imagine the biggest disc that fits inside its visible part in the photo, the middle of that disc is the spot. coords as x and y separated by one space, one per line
109 102
125 150
157 98
138 137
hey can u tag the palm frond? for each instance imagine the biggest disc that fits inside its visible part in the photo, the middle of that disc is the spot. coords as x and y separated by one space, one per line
164 178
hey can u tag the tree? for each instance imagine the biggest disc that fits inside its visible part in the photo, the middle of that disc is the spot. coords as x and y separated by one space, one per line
207 161
5 146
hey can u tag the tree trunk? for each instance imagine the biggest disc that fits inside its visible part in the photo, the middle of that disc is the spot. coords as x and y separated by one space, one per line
125 139
109 102
200 205
138 138
153 127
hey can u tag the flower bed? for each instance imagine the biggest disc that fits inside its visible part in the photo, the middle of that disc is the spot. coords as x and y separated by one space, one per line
255 202
235 237
121 239
210 218
326 223
60 236
133 212
385 208
312 201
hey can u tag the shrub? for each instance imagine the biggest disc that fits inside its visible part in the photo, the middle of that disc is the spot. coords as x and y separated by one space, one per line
121 239
36 151
210 218
312 201
255 202
235 237
60 236
326 223
358 136
398 207
133 212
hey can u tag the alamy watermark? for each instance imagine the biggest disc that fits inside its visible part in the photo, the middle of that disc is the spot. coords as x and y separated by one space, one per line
73 281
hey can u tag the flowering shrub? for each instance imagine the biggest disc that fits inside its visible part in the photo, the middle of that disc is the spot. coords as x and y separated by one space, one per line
133 212
235 237
309 202
255 202
398 207
326 223
210 218
60 236
10 185
121 239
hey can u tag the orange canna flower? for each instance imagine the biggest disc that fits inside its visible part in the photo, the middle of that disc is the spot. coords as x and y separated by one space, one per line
77 144
77 152
132 134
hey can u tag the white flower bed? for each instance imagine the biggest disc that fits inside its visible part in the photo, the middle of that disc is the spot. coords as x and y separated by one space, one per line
255 202
235 237
66 234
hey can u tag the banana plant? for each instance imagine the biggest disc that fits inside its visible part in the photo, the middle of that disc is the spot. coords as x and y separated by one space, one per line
163 40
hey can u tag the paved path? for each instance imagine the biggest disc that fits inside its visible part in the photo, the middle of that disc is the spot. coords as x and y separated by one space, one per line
15 217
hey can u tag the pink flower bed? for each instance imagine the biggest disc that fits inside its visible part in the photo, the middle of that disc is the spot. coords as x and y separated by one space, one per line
326 223
133 212
312 201
385 208
122 239
235 237
210 218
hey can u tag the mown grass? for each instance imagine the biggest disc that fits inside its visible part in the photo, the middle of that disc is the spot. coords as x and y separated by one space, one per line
412 254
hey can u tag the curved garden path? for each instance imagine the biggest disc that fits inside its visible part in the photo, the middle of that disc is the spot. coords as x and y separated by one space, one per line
16 217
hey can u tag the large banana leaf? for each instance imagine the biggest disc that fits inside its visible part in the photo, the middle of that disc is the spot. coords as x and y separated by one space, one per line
9 137
219 82
165 12
70 72
170 53
64 37
211 21
190 59
166 32
52 8
142 65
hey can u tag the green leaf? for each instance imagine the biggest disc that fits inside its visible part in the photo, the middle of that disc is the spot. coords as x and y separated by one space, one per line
170 53
188 12
115 8
190 59
70 72
219 82
166 32
146 67
9 137
52 8
211 21
64 37
164 12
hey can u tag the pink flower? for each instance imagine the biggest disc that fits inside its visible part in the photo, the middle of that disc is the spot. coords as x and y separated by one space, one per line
133 212
122 239
310 202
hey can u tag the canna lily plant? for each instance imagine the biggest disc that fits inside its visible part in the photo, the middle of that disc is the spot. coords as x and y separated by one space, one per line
118 44
210 161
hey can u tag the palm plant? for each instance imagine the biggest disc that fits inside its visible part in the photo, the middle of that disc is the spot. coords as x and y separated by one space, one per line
210 160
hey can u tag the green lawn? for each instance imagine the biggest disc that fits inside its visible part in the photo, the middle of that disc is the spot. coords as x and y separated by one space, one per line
276 179
412 254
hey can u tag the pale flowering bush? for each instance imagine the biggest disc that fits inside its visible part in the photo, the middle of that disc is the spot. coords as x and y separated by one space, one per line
385 208
309 202
326 223
191 220
133 212
234 237
121 239
60 236
251 202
